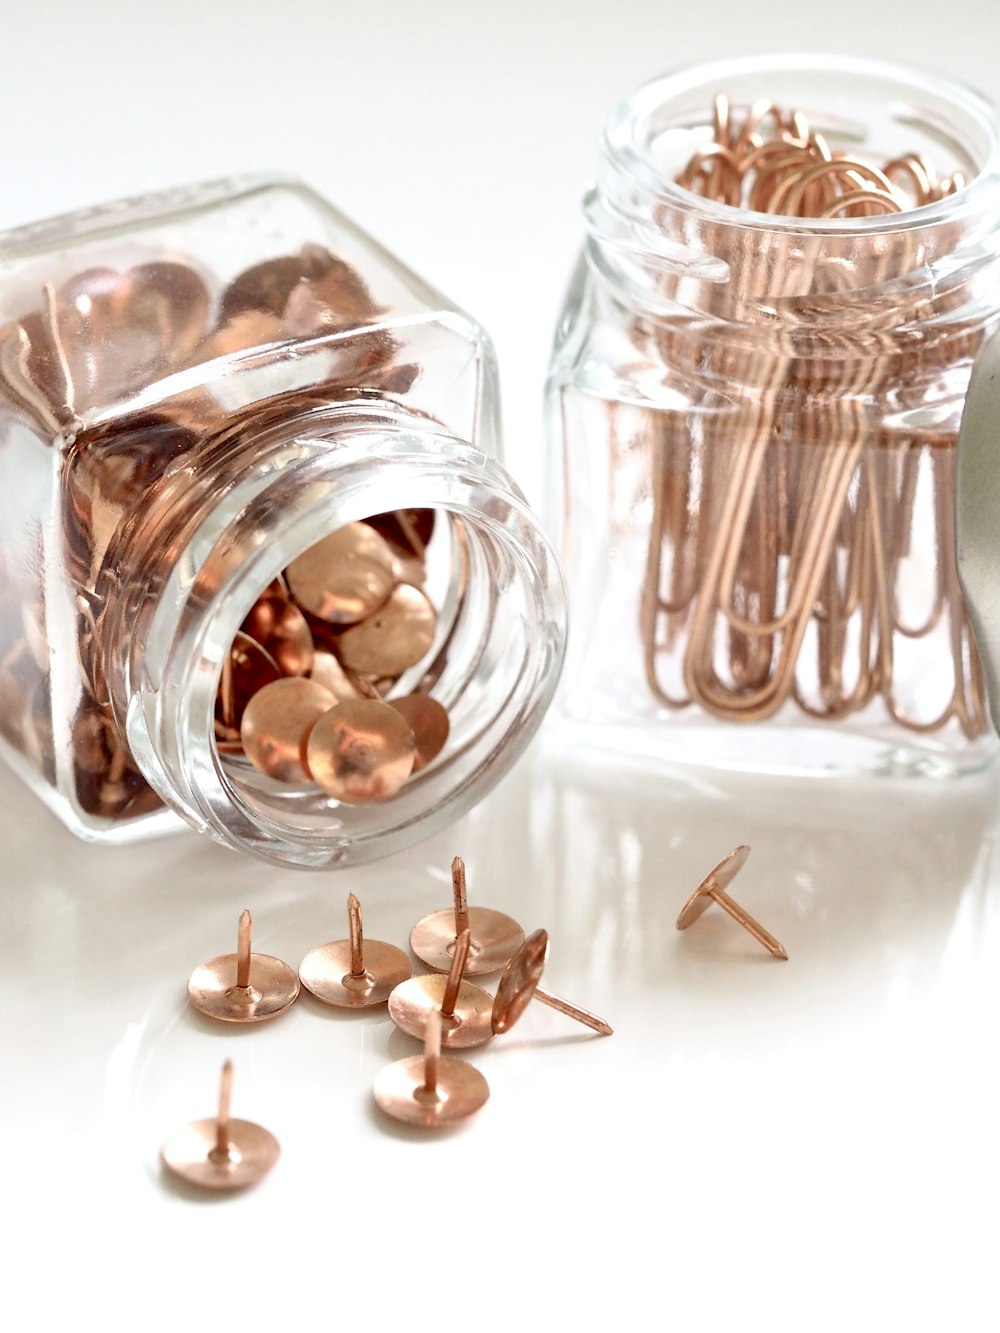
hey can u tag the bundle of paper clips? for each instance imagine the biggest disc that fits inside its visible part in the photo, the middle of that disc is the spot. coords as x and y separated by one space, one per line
788 504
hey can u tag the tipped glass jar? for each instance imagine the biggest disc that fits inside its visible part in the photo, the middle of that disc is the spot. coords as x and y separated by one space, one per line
241 446
753 403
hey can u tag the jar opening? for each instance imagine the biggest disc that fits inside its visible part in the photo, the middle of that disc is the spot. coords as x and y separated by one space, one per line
869 107
492 661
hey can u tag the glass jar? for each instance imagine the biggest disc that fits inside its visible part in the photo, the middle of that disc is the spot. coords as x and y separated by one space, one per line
753 421
195 389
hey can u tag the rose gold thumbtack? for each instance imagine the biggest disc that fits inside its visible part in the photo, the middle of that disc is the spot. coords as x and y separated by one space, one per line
243 987
354 973
282 631
220 1153
247 668
465 1009
431 1090
429 722
345 577
360 751
495 937
519 986
712 889
276 725
393 638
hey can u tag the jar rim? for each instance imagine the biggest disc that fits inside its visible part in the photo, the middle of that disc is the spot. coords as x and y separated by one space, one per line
625 140
190 632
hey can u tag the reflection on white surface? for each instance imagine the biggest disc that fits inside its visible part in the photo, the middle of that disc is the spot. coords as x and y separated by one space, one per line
793 1096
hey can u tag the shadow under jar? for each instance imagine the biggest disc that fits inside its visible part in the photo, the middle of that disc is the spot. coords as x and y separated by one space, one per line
197 390
753 417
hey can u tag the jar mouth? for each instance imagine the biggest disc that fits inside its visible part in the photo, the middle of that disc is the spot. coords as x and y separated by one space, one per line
872 105
494 663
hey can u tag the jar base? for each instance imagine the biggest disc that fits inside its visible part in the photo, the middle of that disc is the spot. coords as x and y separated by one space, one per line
772 751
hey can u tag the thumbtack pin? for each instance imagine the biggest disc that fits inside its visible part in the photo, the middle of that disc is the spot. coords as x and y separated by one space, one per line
494 935
243 987
431 1090
354 973
712 889
519 986
220 1153
465 1009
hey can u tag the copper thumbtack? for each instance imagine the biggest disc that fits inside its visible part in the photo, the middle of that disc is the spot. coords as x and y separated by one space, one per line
712 889
354 973
344 577
246 669
282 631
276 726
465 1009
220 1153
519 985
393 638
431 1090
243 987
429 722
361 750
494 936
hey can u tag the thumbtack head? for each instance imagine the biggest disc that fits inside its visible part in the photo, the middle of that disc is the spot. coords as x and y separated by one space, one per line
468 1025
713 889
220 1153
430 1090
276 725
464 1009
520 981
345 577
243 987
393 638
428 720
360 751
354 973
719 877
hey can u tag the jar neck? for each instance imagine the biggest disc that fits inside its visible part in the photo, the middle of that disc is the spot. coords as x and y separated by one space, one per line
666 252
209 539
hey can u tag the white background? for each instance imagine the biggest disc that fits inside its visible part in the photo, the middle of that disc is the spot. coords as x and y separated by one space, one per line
802 1145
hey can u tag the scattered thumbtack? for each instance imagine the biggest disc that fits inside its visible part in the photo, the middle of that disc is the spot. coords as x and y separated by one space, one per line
431 1090
519 986
220 1153
354 973
243 987
712 889
494 937
465 1009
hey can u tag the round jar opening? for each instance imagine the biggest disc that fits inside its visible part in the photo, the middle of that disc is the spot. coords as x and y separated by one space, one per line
491 647
877 110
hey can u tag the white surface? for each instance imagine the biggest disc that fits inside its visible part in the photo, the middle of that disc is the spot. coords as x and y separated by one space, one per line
801 1145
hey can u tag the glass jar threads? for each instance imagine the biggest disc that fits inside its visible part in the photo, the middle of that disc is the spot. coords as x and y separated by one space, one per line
754 399
260 565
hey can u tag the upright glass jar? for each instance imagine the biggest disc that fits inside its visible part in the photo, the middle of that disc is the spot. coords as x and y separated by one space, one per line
754 420
195 389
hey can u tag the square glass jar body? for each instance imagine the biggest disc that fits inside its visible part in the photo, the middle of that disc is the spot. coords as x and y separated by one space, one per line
193 387
754 422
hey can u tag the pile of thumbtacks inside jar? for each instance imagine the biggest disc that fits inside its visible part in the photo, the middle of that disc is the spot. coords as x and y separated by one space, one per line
301 690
